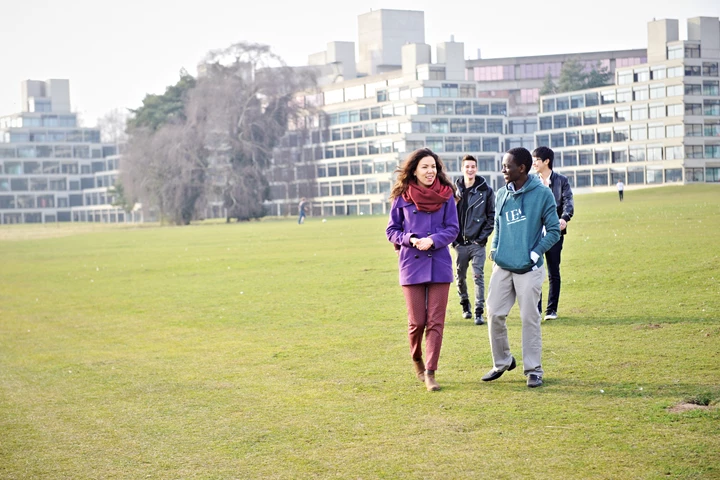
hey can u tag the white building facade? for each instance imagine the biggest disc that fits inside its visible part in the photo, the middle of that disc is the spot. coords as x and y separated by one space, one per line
51 170
659 124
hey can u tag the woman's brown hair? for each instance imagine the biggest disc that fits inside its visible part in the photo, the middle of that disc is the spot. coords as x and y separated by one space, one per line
405 172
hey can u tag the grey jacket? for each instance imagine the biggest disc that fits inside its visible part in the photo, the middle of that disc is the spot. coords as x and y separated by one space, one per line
478 218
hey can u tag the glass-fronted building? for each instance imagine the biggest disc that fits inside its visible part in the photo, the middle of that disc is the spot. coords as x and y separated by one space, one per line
52 170
659 124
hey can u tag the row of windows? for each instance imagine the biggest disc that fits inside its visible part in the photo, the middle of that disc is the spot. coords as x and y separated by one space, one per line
708 69
41 121
540 70
9 184
369 167
683 51
631 176
446 107
438 125
451 90
644 111
39 201
642 153
50 151
39 168
611 135
605 97
49 136
111 216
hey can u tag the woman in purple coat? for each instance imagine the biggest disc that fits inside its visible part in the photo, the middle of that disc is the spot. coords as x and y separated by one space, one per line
423 222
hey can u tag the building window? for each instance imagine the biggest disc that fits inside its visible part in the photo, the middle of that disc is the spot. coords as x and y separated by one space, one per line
693 130
590 117
693 89
445 108
602 157
640 93
710 69
585 157
674 52
692 51
591 99
587 137
711 87
600 177
693 70
637 154
476 125
546 123
458 125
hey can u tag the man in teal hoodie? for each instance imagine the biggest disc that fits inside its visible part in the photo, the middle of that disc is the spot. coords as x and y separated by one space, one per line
522 208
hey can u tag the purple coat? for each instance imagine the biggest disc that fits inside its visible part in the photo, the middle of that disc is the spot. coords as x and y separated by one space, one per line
429 266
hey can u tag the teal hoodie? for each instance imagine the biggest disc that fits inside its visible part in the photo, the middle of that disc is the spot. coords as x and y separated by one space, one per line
519 220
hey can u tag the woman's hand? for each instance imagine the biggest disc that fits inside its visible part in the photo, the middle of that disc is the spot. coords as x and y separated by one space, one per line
424 243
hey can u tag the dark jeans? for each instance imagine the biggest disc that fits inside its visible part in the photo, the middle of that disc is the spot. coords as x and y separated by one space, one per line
552 262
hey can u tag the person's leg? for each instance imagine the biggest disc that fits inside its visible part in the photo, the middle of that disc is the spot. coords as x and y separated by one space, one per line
415 300
461 266
501 297
437 298
528 287
478 265
552 259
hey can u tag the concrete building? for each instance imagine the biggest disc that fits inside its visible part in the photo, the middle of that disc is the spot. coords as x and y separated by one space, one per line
658 124
343 158
51 170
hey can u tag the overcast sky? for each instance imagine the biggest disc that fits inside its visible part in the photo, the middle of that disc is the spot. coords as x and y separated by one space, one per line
115 52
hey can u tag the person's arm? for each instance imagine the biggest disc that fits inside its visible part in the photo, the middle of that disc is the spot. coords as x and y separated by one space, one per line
551 222
395 230
449 233
490 217
567 202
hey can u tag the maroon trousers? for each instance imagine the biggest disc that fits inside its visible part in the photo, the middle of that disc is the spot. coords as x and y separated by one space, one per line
426 305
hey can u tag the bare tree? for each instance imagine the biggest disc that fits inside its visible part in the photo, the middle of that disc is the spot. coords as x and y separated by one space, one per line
218 147
113 126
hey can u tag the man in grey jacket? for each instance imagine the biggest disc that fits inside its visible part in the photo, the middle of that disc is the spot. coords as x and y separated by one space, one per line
476 214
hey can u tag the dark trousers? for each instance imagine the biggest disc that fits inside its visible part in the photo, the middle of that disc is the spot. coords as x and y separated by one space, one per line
552 263
620 193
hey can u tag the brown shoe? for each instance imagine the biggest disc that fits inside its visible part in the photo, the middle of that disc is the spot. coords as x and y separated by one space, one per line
430 383
419 369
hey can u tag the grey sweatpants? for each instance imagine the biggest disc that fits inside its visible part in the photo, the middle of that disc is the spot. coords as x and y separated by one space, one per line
466 253
505 287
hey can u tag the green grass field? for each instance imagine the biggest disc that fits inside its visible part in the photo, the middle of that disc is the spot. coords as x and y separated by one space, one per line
273 350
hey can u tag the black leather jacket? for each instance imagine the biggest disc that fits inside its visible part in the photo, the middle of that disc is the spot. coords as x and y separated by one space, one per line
563 197
478 219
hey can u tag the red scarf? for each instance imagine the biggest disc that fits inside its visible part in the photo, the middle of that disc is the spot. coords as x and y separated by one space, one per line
428 199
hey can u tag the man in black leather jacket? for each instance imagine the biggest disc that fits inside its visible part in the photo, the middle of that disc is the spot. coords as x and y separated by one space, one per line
543 163
476 215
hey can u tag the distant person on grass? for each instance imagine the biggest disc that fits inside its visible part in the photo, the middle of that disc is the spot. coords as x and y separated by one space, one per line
621 189
423 222
543 163
302 207
524 206
476 216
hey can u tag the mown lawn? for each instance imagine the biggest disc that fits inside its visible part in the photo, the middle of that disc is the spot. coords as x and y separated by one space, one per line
273 350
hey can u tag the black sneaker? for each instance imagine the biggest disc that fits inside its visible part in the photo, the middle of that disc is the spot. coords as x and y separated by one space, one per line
551 315
534 380
479 318
466 308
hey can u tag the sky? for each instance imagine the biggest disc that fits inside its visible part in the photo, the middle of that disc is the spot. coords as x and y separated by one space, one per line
114 53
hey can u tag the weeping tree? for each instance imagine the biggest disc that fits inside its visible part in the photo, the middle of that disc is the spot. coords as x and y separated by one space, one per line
245 101
210 139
